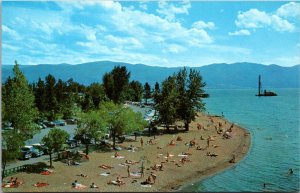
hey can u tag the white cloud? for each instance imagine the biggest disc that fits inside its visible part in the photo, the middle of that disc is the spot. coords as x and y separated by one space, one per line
291 9
175 48
203 25
10 32
242 32
170 10
143 5
259 19
10 47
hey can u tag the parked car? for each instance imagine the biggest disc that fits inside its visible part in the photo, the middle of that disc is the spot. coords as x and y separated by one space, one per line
43 150
42 125
49 123
71 121
59 123
72 143
28 152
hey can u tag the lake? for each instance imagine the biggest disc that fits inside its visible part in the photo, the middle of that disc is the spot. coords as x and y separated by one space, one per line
274 126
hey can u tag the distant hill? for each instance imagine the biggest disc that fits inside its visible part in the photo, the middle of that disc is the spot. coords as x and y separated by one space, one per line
237 75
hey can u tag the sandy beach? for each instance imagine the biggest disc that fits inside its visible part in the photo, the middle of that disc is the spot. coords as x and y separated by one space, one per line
172 176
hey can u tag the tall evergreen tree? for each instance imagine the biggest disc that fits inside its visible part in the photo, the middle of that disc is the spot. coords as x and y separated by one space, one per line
115 83
137 90
19 109
19 104
156 93
51 103
147 92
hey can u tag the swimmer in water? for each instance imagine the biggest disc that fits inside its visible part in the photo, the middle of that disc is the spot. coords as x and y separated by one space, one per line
291 171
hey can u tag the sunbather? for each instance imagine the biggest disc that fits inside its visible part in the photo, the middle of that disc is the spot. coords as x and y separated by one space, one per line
117 154
40 184
105 166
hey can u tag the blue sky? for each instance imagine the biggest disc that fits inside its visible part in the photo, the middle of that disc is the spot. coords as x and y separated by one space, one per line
158 33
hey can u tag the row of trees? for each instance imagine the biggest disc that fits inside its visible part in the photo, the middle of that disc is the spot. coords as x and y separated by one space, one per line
99 106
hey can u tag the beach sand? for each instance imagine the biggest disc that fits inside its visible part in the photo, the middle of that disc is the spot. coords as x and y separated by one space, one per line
200 167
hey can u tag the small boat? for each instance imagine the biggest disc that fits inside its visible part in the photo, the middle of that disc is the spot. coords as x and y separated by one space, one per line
265 93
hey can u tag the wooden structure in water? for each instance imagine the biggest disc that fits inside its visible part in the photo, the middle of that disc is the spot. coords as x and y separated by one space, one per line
265 93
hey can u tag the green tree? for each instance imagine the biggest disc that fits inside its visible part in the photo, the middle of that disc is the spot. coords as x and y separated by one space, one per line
51 103
190 91
54 141
115 83
12 141
137 90
40 96
18 101
168 102
91 127
147 91
96 91
121 120
156 93
87 103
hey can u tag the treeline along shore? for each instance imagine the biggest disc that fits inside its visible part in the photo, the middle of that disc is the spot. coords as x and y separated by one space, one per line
181 145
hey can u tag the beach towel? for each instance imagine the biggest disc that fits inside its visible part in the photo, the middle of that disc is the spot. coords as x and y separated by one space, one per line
146 186
105 174
181 155
119 157
9 185
123 165
45 173
135 174
80 186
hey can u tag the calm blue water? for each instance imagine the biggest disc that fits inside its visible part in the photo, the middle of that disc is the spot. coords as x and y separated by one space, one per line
274 126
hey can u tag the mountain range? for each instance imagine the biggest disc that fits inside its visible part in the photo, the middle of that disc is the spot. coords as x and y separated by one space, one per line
221 75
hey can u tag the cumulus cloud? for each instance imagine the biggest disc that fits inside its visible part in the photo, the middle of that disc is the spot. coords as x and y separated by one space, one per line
254 18
203 25
291 9
242 32
169 10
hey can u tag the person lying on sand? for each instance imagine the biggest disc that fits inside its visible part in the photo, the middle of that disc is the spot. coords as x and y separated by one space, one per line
131 162
149 180
40 184
199 148
215 146
185 159
93 185
179 138
186 153
83 175
118 182
105 166
211 154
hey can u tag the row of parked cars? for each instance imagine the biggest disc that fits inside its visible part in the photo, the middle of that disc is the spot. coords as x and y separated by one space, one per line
37 149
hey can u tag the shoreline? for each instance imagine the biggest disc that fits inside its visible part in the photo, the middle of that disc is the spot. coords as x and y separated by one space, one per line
219 167
171 179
